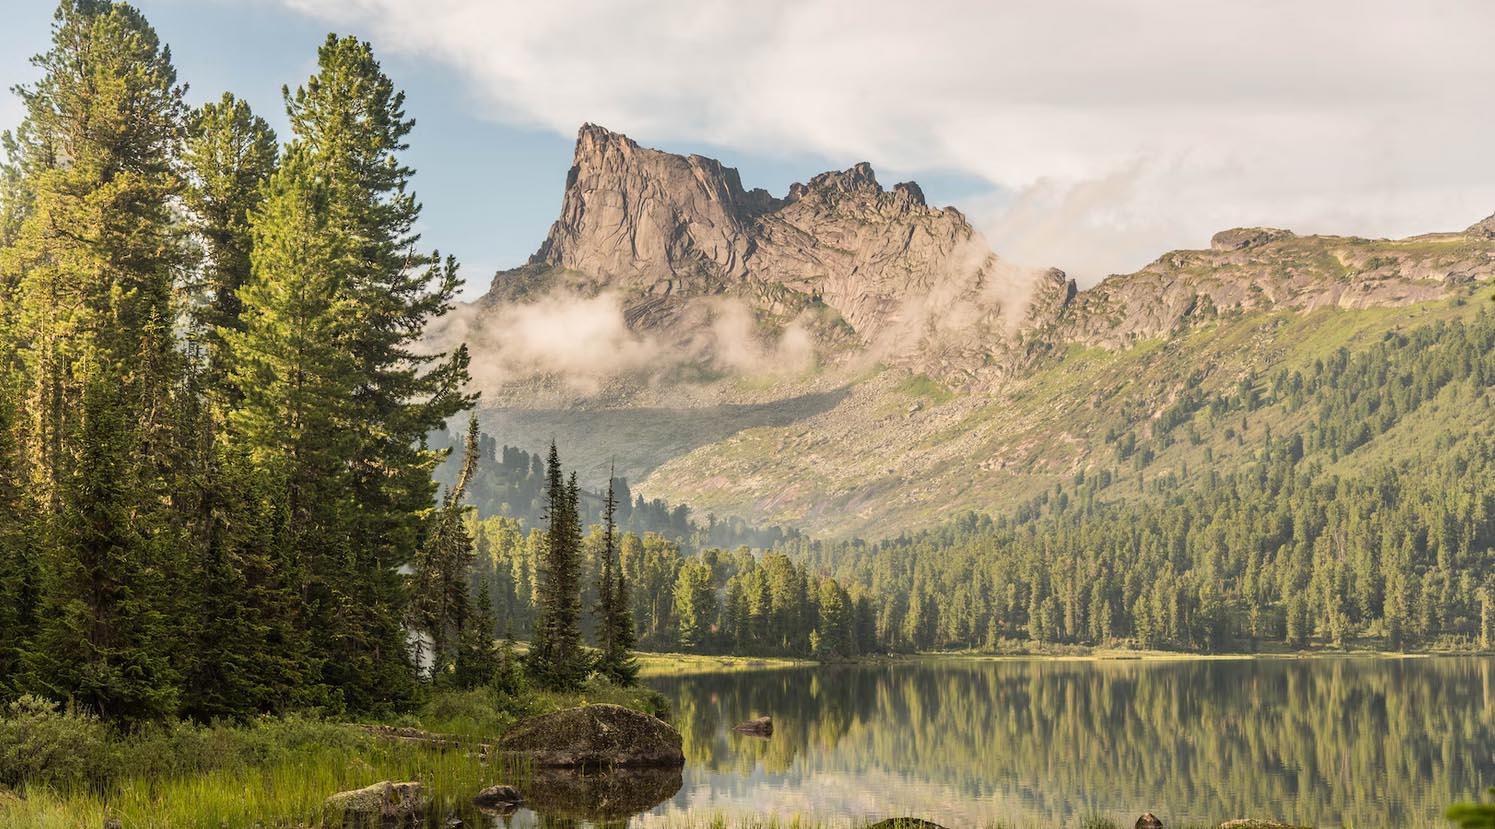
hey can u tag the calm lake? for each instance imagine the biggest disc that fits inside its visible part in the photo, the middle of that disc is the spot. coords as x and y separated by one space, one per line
1354 742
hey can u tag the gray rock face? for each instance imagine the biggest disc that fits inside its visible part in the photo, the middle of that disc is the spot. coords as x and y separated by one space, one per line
1485 227
1240 238
1260 269
665 228
881 271
594 736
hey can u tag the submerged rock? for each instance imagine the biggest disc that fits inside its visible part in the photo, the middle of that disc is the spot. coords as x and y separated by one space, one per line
594 736
905 823
498 799
1254 823
761 726
1149 821
385 801
600 796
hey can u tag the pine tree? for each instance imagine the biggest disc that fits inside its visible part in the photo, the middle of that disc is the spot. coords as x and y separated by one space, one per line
695 603
615 634
440 605
229 156
337 399
555 658
478 661
292 422
96 259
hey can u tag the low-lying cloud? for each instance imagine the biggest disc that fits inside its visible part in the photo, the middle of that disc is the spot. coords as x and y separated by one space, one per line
1107 132
577 344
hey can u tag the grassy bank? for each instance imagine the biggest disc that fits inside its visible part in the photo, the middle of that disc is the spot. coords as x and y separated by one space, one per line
683 664
70 769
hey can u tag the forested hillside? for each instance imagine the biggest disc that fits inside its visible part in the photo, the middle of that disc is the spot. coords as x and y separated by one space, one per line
1356 501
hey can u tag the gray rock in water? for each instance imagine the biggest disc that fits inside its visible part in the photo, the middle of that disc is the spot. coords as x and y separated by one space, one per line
594 736
1149 821
761 726
498 798
1254 823
385 801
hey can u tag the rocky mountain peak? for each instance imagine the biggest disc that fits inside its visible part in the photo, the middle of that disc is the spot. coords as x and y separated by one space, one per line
664 227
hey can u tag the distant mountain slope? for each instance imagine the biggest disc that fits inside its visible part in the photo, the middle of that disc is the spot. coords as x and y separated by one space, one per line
849 359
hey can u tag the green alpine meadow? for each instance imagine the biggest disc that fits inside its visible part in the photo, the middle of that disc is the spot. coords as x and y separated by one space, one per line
695 503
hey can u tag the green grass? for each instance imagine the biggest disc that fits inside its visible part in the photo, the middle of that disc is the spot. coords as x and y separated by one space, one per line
924 387
71 770
288 792
683 664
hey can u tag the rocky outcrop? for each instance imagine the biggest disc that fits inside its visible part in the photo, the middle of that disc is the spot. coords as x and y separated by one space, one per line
1263 269
1240 238
594 736
1485 227
383 803
664 229
1252 823
1148 820
881 273
905 823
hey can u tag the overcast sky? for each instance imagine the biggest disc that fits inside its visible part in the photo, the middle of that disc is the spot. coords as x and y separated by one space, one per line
1088 134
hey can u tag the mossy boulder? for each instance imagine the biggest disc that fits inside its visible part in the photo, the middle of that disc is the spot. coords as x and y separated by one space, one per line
383 803
594 736
905 823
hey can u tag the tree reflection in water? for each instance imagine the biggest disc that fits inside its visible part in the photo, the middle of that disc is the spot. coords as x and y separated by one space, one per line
1324 741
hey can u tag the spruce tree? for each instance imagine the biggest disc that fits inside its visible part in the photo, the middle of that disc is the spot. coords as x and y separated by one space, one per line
615 635
337 398
96 259
229 155
555 658
440 605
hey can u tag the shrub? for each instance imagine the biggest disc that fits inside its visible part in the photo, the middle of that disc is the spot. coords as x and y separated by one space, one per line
43 743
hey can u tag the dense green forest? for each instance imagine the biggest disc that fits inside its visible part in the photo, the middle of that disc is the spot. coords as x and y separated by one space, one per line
511 482
1303 542
216 491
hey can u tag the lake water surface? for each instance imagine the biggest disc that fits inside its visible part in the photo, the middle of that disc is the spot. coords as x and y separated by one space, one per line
1354 742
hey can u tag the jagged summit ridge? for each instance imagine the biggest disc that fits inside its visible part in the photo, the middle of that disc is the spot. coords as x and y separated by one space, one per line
880 269
662 225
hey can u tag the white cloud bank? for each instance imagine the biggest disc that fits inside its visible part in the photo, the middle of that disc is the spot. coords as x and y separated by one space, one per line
1109 131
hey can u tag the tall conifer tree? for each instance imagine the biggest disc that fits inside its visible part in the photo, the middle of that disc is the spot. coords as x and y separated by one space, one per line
229 155
95 261
555 657
337 397
615 635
